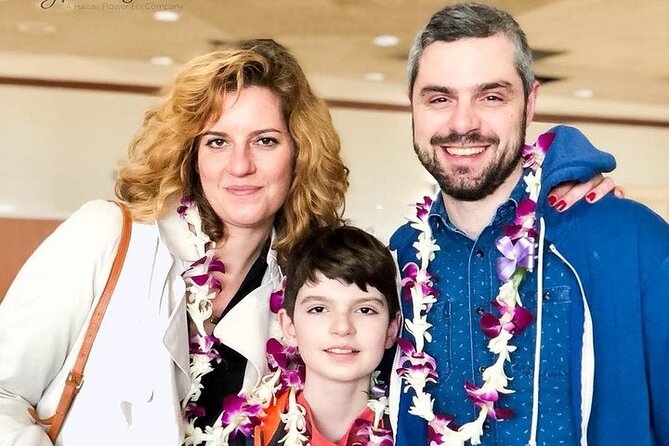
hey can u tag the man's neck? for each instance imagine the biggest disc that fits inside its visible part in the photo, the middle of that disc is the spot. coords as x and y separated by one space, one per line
472 217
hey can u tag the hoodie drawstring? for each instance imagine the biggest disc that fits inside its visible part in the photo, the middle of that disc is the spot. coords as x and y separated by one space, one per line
537 346
587 355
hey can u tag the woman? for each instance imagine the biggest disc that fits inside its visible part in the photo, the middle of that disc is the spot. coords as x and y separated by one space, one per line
241 144
237 162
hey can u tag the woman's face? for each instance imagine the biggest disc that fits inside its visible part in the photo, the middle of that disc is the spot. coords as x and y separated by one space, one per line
245 160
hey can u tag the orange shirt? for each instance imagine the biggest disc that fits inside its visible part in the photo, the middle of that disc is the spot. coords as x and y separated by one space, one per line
263 434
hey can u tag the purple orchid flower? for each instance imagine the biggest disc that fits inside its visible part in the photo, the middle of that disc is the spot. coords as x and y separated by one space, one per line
367 435
514 255
288 360
276 298
244 416
526 208
183 206
423 208
492 326
536 153
204 345
440 422
193 410
411 273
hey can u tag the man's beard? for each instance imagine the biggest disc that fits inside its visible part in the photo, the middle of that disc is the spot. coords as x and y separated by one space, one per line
458 185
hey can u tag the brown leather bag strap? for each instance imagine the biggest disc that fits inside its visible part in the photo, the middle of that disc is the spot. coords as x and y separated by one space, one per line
75 379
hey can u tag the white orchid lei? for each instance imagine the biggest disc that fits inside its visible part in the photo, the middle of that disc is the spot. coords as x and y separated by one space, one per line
242 413
417 368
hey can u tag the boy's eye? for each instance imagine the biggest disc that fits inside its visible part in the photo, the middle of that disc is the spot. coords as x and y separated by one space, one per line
317 309
367 310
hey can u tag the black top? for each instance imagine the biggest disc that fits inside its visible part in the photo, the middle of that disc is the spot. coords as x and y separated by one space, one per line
228 375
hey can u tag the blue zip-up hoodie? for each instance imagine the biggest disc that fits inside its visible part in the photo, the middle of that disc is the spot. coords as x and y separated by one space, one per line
618 251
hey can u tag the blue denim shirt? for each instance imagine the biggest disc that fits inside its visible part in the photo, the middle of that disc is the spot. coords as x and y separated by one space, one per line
467 283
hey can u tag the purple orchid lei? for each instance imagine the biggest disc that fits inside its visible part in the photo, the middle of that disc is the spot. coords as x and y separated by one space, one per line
417 368
242 413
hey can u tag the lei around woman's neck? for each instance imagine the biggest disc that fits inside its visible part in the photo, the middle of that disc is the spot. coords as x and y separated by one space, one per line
242 413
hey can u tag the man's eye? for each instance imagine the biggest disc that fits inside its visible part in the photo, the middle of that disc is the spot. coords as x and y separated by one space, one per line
438 100
316 310
493 98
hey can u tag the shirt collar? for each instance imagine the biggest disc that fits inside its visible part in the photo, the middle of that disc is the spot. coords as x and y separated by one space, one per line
504 212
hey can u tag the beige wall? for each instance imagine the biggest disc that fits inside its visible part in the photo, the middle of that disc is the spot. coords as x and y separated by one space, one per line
60 148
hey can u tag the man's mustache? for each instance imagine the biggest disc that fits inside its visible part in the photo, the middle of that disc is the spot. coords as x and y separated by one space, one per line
461 140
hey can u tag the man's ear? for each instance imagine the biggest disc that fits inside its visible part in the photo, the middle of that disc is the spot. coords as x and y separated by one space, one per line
287 327
531 102
391 334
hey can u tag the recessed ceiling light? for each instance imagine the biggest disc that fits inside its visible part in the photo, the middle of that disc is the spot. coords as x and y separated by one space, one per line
36 28
583 93
162 60
379 207
374 76
386 40
166 16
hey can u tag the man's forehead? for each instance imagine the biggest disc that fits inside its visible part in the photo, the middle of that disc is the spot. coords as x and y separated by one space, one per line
472 59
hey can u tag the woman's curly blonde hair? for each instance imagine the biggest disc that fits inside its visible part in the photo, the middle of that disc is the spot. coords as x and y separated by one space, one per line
161 166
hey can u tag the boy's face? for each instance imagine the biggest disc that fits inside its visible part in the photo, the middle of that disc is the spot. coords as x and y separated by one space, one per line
340 330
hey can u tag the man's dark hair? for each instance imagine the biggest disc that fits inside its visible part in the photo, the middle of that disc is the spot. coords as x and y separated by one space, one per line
343 253
464 20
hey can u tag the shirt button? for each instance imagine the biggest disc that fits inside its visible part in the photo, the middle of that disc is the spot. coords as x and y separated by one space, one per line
479 253
480 310
486 425
482 368
547 295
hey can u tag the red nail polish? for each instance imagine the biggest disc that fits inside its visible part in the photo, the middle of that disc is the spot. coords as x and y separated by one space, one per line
561 205
591 196
552 199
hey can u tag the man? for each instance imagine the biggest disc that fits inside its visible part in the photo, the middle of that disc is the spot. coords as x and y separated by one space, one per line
584 362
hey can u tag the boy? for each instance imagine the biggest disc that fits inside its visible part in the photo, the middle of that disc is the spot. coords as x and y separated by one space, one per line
341 311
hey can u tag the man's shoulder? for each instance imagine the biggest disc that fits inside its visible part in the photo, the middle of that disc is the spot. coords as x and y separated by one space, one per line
613 214
403 238
613 225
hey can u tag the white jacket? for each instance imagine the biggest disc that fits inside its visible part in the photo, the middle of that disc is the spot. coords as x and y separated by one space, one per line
137 371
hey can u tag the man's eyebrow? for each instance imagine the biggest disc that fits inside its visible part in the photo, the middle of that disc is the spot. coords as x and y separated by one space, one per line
495 85
435 89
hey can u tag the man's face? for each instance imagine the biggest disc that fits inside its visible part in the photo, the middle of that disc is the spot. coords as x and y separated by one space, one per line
469 115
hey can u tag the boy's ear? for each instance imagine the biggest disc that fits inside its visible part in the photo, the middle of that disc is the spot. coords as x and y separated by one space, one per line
391 334
287 327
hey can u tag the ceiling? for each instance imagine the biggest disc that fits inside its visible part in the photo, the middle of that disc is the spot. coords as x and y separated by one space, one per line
616 49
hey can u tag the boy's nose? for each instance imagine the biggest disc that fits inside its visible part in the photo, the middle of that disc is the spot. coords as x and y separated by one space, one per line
342 325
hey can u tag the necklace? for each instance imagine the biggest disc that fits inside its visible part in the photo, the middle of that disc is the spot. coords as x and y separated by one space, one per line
242 413
417 367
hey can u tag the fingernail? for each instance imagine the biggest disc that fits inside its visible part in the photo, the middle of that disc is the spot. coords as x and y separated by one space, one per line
561 205
591 197
552 199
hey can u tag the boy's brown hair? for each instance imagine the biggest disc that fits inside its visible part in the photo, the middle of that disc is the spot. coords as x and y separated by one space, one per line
343 253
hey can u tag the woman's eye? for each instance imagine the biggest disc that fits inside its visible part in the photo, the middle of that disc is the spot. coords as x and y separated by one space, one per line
316 310
267 141
215 143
